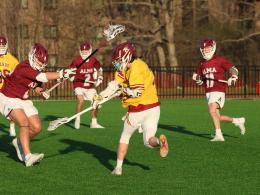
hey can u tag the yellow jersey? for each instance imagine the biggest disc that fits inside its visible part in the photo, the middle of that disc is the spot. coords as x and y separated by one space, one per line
7 64
140 77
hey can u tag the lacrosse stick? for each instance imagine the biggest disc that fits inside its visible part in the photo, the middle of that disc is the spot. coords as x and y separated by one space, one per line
60 121
221 81
48 91
112 31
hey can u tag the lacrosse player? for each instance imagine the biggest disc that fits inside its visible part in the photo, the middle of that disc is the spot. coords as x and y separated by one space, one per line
87 78
211 72
139 96
7 64
15 103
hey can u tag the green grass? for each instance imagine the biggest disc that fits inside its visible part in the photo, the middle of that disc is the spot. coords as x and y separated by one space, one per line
80 161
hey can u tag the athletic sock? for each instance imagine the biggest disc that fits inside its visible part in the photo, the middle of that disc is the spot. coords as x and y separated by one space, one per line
119 163
218 132
94 121
27 156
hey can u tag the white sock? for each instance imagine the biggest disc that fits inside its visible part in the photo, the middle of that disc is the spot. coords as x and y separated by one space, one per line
119 163
94 120
78 118
235 120
218 132
27 156
12 125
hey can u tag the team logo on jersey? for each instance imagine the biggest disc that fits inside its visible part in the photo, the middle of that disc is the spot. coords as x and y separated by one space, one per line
209 70
87 70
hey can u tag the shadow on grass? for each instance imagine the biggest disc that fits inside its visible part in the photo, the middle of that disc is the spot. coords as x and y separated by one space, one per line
183 130
7 147
102 154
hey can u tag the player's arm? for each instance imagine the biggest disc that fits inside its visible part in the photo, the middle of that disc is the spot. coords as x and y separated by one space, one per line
62 74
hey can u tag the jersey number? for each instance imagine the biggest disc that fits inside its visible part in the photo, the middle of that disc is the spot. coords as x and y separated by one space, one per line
87 79
210 83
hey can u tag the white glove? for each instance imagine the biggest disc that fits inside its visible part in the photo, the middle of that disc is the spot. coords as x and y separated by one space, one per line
99 81
197 78
45 95
67 73
132 92
232 80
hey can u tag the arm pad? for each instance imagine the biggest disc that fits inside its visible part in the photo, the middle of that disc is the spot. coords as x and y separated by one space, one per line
42 78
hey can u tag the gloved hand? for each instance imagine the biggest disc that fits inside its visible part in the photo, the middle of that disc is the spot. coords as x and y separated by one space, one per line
45 95
232 80
67 73
96 100
99 81
197 79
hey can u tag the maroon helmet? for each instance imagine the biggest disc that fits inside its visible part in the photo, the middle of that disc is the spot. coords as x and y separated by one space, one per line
38 56
122 55
3 45
208 48
85 50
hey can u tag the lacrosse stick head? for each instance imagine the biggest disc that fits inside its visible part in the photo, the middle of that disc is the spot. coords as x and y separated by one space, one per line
112 31
56 123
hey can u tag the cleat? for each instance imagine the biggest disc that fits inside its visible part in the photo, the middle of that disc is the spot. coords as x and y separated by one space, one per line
77 123
240 123
96 126
117 171
163 146
218 138
19 150
33 159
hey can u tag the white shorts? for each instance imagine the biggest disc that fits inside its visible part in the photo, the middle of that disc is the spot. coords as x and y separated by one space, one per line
8 104
88 94
218 97
147 119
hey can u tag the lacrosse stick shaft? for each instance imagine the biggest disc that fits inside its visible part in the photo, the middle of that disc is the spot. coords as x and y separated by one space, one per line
221 81
91 108
57 84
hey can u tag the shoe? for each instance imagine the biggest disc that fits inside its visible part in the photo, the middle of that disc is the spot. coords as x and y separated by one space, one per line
19 150
33 159
96 126
77 123
240 122
117 171
218 138
164 149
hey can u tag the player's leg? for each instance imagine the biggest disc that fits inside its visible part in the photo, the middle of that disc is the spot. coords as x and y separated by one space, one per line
130 125
79 106
90 93
12 132
150 125
213 111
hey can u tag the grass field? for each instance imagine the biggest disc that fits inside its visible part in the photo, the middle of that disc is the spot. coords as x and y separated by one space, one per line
80 161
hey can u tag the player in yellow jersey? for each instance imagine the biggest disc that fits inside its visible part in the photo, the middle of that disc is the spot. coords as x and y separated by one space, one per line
7 64
139 96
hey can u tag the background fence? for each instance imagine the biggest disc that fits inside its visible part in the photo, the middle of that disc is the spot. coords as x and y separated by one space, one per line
174 82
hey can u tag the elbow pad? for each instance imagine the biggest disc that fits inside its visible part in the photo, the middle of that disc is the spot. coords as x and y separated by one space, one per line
42 78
